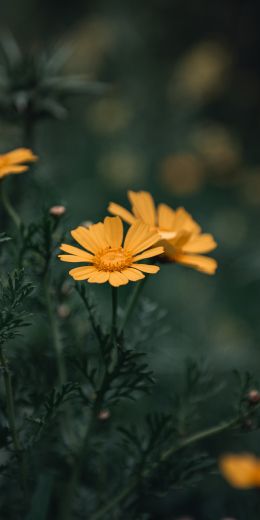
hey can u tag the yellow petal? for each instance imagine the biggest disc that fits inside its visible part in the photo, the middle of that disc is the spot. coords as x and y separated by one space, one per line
72 258
241 471
184 221
97 234
200 244
20 155
99 277
85 239
121 212
113 231
143 206
139 237
116 279
201 263
77 252
149 253
166 217
82 273
147 268
133 274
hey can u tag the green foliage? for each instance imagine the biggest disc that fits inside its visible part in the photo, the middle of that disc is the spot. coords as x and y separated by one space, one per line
13 316
33 85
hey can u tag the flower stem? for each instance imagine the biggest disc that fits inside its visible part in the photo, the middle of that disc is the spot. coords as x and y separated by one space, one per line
55 332
11 420
114 314
116 500
131 303
8 206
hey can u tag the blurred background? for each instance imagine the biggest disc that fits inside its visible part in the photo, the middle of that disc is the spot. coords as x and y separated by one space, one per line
179 116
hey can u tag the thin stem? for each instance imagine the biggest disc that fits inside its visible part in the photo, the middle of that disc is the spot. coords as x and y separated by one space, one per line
8 206
11 420
114 314
116 500
55 332
132 303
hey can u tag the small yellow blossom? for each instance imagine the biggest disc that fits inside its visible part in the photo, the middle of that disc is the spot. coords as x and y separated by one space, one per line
179 234
109 260
241 471
12 162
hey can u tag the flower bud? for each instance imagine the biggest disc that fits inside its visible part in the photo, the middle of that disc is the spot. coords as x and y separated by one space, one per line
57 211
253 396
104 415
63 311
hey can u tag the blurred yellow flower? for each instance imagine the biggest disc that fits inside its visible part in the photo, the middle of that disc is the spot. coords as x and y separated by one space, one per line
241 471
110 260
179 234
12 162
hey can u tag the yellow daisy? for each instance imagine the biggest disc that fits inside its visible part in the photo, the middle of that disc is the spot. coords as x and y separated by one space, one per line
12 162
180 235
109 260
241 471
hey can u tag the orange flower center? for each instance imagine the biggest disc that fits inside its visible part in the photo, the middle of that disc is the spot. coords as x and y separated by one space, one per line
113 259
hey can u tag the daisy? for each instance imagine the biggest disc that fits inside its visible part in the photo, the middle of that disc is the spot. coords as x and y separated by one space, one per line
12 162
179 234
108 259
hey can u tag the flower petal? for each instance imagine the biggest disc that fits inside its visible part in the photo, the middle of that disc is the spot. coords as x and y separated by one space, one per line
149 253
77 252
20 155
121 212
147 268
139 237
241 471
72 258
99 277
143 206
85 239
166 217
116 279
113 231
200 244
133 274
201 263
82 273
184 221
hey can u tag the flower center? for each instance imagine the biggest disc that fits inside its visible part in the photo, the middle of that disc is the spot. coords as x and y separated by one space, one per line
113 259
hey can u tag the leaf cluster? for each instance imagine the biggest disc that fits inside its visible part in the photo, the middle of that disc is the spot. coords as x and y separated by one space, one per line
13 293
33 85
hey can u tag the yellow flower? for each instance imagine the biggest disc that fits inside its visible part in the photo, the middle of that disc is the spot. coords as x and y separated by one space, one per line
12 162
109 260
241 471
179 234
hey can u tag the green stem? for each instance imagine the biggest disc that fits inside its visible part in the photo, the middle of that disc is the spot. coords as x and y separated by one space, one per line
55 332
11 420
114 314
132 303
116 500
8 206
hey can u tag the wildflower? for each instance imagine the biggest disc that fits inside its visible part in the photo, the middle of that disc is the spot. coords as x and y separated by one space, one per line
241 471
179 234
12 162
57 211
109 260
